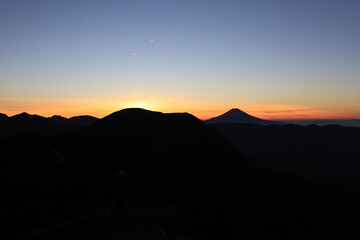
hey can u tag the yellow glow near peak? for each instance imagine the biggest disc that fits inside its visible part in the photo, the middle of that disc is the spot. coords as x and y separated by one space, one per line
139 104
201 109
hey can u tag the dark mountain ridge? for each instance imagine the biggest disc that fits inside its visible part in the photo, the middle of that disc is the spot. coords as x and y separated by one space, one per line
235 115
183 178
3 116
84 120
35 124
324 122
25 115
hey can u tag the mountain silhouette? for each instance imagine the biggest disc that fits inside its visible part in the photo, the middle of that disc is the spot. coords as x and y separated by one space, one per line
183 179
25 115
153 137
25 123
235 115
3 116
170 159
83 120
75 121
28 124
59 119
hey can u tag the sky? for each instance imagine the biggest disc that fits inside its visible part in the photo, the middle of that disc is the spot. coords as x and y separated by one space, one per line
278 59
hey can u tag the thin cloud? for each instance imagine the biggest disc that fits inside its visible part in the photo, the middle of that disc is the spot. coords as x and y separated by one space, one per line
151 40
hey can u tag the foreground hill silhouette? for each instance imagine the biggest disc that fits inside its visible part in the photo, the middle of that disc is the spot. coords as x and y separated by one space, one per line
235 115
184 182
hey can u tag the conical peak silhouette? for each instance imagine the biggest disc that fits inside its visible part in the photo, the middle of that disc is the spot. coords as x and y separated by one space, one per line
236 111
24 115
236 115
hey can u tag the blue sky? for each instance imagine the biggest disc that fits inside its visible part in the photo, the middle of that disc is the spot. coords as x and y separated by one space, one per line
206 55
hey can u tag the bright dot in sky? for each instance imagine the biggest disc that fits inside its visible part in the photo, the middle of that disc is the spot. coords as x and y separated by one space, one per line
151 41
133 53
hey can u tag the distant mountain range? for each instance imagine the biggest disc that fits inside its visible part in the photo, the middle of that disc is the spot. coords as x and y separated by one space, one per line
235 115
35 124
324 122
51 126
322 150
326 154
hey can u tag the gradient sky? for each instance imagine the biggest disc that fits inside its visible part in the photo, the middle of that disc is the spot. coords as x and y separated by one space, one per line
274 59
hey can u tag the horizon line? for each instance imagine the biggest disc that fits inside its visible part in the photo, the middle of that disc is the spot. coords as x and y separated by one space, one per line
200 118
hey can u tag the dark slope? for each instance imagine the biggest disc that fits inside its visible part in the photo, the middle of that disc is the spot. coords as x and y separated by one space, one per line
182 178
136 140
3 116
328 154
31 184
235 115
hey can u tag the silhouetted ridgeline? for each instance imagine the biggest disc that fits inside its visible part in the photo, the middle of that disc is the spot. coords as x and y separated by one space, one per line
324 122
3 116
35 124
183 181
235 115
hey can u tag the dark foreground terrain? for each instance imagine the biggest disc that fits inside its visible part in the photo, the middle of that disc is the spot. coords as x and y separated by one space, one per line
183 181
325 154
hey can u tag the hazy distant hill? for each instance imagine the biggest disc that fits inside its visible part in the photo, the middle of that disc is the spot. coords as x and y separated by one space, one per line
324 122
235 115
328 154
35 124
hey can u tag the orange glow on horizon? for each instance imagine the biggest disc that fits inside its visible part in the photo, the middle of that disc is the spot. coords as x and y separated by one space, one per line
279 112
202 110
